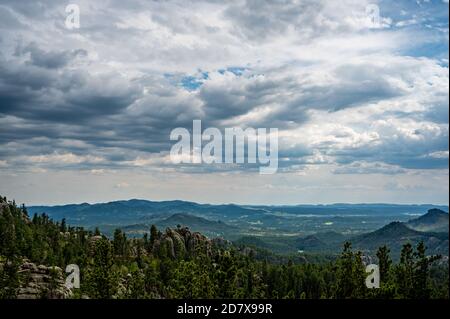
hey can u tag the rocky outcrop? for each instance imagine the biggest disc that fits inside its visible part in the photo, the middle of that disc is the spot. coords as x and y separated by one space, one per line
177 243
39 281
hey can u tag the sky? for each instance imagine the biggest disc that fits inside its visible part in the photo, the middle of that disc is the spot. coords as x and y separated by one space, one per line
359 92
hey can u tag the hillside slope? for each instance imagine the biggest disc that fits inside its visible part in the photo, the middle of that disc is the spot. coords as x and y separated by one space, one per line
396 234
435 220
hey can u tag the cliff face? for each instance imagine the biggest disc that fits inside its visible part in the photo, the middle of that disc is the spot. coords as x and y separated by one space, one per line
176 243
39 281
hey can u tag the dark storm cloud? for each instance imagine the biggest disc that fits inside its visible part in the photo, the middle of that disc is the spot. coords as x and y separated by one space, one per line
356 86
351 86
109 121
36 91
51 60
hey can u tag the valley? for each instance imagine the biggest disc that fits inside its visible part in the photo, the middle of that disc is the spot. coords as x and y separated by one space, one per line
300 229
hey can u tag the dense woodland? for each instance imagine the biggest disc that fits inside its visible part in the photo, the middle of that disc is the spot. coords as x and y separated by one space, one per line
157 267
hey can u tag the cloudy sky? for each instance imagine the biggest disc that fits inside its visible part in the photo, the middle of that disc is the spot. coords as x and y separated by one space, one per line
360 100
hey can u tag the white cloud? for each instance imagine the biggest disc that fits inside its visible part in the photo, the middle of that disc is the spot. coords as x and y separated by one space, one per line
66 158
344 92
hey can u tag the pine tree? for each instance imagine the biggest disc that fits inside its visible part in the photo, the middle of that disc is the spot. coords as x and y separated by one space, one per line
404 272
350 281
384 263
421 288
63 227
9 279
153 235
120 243
101 281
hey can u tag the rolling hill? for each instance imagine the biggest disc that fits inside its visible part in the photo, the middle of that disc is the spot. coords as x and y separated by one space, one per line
435 220
283 229
208 227
395 234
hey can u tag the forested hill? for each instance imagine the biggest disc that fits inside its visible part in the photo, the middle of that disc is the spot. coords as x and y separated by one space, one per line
135 211
180 263
435 220
283 229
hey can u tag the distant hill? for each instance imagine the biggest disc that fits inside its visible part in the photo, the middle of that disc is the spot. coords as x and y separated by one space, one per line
310 243
210 228
195 223
282 228
331 237
396 234
323 241
128 212
138 210
435 220
117 212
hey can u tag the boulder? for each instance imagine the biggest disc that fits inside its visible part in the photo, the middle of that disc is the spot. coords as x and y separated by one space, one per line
40 281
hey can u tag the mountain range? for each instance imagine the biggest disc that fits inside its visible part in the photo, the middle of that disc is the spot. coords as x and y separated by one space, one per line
283 229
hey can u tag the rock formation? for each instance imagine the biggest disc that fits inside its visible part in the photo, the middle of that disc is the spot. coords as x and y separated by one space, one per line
181 241
39 281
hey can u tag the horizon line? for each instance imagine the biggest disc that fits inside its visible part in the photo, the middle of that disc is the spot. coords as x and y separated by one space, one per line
237 204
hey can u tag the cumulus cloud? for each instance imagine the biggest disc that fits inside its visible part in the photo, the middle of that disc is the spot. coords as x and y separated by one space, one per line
351 93
369 168
51 60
